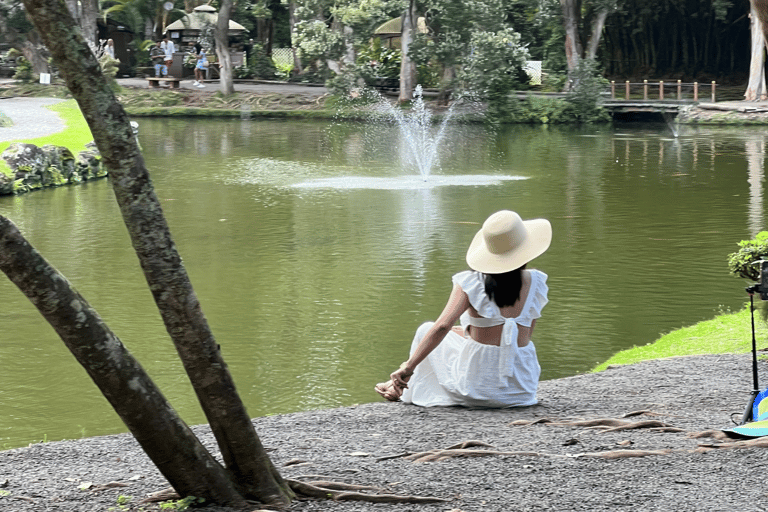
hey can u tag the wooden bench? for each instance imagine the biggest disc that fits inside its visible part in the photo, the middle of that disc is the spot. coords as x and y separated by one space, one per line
154 82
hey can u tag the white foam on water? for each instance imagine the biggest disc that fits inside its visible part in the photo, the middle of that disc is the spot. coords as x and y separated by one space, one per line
405 182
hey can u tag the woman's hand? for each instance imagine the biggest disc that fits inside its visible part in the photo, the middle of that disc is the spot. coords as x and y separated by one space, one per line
401 376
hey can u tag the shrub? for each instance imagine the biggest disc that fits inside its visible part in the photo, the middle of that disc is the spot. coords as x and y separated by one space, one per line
23 70
587 86
742 262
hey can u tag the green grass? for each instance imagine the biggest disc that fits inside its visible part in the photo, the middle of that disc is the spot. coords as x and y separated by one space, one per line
74 137
726 333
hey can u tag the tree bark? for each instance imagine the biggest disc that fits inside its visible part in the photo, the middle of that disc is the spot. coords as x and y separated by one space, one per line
221 35
571 17
407 66
297 69
166 439
241 449
597 30
35 57
756 84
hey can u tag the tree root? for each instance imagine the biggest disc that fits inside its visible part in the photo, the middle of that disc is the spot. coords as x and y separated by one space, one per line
322 489
313 491
607 424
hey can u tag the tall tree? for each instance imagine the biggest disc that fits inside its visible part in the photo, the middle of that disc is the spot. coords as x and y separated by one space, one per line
407 66
221 35
573 19
248 468
758 15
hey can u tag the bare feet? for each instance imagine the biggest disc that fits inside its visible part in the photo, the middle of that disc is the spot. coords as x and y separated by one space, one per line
388 390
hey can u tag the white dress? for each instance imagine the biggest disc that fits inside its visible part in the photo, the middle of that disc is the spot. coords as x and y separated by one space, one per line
461 371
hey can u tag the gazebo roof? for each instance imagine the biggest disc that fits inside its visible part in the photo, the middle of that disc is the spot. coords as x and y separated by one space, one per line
201 16
394 27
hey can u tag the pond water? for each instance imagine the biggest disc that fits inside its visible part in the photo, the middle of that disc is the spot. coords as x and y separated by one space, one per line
315 255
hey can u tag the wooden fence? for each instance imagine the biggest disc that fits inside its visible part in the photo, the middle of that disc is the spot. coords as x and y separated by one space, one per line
662 90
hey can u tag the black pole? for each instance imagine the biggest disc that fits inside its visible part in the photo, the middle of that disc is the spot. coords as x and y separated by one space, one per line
747 416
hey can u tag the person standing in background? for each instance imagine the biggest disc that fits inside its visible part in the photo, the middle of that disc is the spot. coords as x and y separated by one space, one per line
169 48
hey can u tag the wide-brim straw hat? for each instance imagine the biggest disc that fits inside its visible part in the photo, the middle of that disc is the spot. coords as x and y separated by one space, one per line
507 242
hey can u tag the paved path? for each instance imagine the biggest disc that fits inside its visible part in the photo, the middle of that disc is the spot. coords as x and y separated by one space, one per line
30 118
250 86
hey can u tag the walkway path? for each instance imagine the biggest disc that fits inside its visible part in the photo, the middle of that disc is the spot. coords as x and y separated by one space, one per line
240 86
30 118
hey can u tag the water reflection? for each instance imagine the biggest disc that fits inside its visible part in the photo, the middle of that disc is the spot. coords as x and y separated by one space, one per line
320 288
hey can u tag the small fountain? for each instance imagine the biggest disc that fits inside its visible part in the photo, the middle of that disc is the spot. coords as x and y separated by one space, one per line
420 148
420 144
672 123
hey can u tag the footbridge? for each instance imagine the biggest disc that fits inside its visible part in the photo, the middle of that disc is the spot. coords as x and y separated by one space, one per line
658 97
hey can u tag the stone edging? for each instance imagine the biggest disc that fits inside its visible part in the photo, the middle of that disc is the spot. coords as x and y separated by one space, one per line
36 167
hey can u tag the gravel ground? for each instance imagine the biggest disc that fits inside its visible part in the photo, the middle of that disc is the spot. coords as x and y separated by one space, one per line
30 118
693 393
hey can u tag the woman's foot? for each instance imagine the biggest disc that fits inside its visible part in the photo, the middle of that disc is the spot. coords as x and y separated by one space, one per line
388 390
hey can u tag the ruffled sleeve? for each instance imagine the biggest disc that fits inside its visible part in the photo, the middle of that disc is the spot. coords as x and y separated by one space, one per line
537 299
472 284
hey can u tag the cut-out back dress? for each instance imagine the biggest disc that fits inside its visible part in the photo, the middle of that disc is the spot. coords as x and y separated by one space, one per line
461 371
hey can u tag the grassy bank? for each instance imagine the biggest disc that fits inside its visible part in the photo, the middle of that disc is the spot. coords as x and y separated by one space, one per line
726 333
74 137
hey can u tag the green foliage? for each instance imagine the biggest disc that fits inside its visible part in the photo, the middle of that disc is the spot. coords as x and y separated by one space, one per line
283 71
141 51
182 504
742 262
23 70
379 61
494 68
242 72
318 42
584 96
260 64
5 120
342 84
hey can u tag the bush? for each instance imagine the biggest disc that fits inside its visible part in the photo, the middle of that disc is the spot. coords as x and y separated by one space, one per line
742 262
260 64
585 95
23 70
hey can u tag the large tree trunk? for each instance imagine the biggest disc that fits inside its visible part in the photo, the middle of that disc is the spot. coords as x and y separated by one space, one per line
221 35
758 21
407 66
241 449
571 18
171 445
35 57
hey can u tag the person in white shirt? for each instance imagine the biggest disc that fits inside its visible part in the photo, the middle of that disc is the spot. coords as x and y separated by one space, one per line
169 48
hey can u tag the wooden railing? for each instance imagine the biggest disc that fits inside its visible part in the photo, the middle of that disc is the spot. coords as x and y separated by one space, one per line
661 90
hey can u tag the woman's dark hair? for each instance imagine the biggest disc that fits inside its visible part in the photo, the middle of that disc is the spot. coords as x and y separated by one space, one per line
198 48
504 289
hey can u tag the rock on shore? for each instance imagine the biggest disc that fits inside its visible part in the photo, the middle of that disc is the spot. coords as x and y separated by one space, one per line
554 467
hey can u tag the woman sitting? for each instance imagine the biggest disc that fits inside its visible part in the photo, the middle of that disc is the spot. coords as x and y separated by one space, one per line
490 360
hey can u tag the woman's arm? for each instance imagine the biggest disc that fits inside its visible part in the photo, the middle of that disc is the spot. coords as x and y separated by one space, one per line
458 302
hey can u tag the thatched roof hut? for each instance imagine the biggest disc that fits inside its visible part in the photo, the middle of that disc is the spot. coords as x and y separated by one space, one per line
190 26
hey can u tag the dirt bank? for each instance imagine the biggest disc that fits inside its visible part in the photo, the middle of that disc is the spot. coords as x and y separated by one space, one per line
539 466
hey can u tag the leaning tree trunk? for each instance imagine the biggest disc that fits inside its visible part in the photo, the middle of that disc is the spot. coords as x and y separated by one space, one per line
163 435
598 23
221 35
407 66
241 449
758 20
